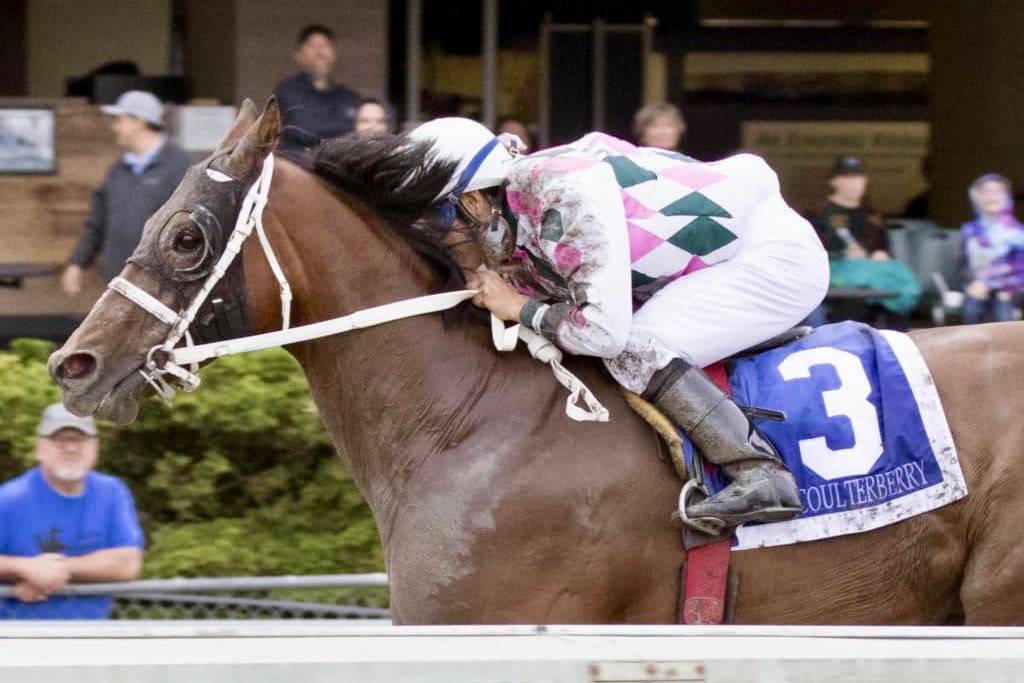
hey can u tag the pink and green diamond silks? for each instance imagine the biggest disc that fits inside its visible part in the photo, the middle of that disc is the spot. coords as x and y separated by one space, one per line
674 224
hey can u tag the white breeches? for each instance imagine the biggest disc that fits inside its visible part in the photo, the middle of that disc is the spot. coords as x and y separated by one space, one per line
772 283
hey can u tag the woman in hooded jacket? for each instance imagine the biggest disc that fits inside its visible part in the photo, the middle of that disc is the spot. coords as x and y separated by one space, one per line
993 252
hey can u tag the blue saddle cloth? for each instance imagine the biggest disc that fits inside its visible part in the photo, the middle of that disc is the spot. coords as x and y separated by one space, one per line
864 435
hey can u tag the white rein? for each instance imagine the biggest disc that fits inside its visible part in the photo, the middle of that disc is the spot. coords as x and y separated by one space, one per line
250 217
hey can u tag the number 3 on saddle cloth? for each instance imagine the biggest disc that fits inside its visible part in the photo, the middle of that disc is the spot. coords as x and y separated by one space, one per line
864 432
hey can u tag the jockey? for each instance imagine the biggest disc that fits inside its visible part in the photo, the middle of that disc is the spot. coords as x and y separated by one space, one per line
654 262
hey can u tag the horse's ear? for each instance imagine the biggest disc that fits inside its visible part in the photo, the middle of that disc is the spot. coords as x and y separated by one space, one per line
243 122
257 142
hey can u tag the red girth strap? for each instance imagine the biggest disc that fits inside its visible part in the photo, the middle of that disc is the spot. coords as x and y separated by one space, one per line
706 572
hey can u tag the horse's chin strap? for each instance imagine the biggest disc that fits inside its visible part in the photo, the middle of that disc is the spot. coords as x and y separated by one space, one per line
251 217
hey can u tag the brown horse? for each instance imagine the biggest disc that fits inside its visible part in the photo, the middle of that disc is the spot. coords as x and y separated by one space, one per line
492 506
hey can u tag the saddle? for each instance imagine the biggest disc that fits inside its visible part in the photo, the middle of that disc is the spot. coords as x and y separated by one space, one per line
775 342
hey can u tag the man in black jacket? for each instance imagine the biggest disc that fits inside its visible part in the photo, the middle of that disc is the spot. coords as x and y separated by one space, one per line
310 100
135 187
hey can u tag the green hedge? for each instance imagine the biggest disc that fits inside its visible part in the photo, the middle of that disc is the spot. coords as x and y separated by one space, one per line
236 478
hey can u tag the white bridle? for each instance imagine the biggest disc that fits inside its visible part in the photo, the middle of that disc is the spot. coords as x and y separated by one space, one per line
250 217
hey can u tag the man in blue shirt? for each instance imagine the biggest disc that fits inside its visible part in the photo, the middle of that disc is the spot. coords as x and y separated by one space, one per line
61 522
310 100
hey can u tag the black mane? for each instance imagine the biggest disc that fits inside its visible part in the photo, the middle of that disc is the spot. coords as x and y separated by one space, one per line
396 176
399 178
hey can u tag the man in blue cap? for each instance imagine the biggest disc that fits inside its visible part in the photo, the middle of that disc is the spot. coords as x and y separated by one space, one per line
62 522
135 187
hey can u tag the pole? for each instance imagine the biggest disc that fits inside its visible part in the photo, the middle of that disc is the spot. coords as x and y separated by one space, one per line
647 42
599 75
490 62
413 59
544 84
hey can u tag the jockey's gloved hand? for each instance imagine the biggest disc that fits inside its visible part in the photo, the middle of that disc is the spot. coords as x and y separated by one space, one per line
496 295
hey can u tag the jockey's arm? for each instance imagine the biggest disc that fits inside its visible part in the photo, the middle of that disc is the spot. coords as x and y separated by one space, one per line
589 250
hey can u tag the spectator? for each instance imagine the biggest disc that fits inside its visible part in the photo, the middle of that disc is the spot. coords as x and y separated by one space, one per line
993 252
515 126
135 187
852 228
918 207
854 234
310 100
374 116
62 522
659 125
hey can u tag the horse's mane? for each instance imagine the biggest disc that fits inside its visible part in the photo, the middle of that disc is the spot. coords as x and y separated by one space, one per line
399 179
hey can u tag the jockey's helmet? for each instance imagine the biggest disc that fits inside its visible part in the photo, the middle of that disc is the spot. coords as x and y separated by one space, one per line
483 161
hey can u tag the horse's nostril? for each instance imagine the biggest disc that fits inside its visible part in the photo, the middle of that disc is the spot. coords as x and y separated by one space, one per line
77 366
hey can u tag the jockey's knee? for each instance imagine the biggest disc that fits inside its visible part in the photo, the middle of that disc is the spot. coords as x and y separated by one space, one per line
634 367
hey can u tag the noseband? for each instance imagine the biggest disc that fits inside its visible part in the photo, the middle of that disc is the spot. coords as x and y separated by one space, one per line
250 218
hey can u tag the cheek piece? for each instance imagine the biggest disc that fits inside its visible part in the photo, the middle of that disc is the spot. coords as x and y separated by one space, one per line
496 239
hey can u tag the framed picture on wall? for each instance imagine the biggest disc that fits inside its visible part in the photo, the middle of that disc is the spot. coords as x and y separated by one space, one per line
27 140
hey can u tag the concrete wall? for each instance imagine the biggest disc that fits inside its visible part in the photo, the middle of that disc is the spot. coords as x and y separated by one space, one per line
209 43
72 37
266 33
233 48
240 48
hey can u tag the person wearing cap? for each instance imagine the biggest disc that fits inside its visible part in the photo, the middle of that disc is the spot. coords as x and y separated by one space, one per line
62 522
648 259
312 104
850 227
138 183
855 236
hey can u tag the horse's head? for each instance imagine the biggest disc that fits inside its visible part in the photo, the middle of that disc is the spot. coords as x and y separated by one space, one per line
98 367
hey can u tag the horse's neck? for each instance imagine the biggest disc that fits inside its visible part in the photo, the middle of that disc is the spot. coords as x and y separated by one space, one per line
390 397
395 397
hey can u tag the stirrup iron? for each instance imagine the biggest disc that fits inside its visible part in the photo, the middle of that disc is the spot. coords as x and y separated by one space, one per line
709 526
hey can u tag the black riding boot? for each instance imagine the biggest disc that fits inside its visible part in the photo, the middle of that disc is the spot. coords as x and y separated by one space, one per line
762 489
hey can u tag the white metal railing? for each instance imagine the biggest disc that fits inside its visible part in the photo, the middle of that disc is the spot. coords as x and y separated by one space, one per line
330 596
219 584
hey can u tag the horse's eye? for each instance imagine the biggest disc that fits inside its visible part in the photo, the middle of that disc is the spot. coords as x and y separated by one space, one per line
187 241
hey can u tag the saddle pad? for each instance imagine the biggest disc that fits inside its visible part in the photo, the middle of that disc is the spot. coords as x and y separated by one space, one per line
865 434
